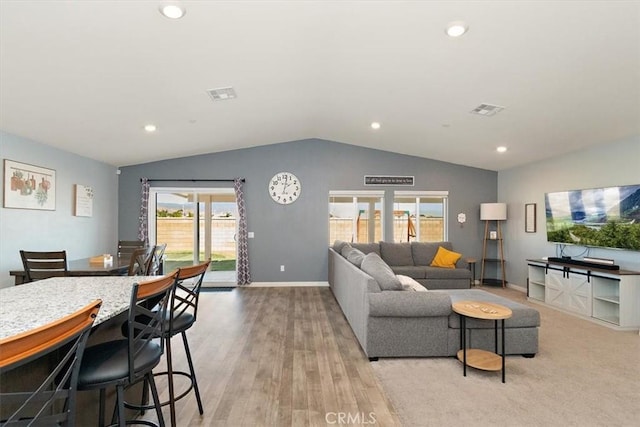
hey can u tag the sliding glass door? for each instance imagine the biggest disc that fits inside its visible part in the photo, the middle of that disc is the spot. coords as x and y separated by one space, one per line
196 224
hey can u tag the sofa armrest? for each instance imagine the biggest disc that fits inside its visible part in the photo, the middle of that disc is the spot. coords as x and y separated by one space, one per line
462 263
409 304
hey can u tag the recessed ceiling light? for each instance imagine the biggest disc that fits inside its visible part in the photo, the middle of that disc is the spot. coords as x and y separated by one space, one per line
456 29
150 128
375 125
501 149
172 10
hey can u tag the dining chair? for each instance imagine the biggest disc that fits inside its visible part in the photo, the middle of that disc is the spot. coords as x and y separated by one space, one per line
126 247
52 401
123 362
156 266
42 265
140 261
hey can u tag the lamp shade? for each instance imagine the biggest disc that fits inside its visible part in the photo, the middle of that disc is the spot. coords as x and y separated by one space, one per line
493 211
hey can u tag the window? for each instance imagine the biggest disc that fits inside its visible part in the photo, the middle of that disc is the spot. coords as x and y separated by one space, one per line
420 216
356 216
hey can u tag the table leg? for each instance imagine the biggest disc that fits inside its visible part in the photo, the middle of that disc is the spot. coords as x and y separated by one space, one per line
463 332
503 368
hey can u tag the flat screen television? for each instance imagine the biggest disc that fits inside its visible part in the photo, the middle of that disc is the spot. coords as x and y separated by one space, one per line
601 217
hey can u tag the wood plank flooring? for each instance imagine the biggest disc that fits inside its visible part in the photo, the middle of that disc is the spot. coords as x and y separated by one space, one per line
281 356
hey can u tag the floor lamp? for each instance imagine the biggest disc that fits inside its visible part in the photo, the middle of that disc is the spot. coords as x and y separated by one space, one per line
493 212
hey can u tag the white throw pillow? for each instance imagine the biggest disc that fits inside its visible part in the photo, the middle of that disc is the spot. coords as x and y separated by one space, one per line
409 284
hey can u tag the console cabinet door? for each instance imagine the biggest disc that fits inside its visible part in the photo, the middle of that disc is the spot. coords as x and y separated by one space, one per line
569 291
555 288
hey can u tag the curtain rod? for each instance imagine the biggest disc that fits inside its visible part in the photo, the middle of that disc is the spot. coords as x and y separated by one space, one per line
194 180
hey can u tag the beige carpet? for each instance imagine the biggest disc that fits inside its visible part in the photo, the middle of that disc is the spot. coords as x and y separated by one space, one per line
584 375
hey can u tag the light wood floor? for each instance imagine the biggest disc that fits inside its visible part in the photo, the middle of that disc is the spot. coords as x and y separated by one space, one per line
278 357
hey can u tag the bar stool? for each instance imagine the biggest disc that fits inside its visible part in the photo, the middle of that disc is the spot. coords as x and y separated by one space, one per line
181 316
183 312
53 401
122 363
140 261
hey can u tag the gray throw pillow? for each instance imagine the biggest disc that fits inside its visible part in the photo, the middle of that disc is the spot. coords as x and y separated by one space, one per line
355 257
338 244
346 250
367 247
375 267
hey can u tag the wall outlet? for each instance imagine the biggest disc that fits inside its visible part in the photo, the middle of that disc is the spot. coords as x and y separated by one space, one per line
251 235
282 268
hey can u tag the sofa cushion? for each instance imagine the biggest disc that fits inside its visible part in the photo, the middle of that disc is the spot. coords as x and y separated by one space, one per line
445 258
375 267
367 248
423 252
413 271
523 316
355 257
446 273
396 253
408 284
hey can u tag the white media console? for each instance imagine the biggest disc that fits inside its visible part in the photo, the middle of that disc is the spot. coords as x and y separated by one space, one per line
608 297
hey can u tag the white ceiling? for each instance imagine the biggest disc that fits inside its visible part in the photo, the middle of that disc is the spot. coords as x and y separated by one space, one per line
86 76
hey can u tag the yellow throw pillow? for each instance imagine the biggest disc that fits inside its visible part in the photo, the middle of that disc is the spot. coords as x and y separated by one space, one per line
445 258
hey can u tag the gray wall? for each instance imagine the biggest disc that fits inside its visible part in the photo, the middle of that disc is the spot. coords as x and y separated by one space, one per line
606 165
297 235
59 229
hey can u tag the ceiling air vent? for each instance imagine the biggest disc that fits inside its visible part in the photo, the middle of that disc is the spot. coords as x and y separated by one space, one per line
222 94
487 109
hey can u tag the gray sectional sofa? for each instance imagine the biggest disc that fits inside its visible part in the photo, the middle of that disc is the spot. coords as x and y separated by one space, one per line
414 260
390 321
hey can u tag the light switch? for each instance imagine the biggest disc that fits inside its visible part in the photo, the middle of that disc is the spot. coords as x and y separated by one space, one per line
251 235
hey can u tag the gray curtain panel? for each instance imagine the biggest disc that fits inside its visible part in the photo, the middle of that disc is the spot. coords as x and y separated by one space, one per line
143 223
244 275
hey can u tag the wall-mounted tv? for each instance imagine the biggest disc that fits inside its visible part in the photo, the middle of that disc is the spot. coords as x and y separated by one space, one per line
602 217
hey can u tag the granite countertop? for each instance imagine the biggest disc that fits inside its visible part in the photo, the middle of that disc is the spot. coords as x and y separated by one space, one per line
35 304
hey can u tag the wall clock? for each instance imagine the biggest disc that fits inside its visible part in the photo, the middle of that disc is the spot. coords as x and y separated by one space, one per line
284 188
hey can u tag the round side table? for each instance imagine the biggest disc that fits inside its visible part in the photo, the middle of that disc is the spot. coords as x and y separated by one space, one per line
478 358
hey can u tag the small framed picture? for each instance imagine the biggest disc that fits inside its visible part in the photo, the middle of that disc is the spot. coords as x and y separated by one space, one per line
530 218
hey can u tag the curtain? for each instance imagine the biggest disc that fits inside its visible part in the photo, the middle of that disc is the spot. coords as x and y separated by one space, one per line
244 275
143 219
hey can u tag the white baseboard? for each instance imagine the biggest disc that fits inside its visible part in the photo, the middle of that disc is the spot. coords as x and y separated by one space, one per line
286 284
517 288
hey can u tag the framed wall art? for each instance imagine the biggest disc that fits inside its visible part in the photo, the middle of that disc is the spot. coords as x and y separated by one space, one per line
29 187
84 201
530 218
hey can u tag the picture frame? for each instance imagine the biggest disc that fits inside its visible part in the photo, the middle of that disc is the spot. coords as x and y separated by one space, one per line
530 218
84 200
27 186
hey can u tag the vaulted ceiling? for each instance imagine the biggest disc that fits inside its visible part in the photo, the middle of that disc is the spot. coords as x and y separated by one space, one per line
86 76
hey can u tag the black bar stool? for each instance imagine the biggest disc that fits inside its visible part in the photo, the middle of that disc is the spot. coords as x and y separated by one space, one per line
53 401
181 316
122 363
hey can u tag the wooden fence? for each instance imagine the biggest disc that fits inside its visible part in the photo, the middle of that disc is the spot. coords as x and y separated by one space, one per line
177 233
431 230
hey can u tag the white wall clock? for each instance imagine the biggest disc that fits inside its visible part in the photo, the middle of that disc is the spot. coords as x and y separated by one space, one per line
284 188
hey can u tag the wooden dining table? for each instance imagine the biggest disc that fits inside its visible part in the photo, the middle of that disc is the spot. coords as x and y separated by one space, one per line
85 267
